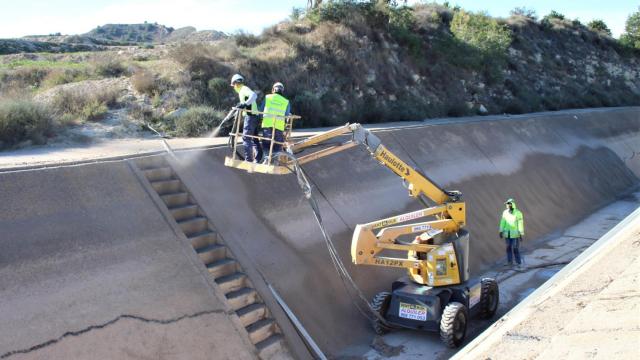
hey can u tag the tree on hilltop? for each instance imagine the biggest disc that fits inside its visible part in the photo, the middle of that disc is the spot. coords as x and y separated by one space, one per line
631 36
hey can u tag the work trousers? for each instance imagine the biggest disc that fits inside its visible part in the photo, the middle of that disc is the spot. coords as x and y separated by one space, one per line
513 249
278 137
250 127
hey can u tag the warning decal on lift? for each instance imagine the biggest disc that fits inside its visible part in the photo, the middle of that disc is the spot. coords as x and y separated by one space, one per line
413 312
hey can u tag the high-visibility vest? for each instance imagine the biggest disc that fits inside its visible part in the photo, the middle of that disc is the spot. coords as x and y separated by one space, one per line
512 223
244 94
274 104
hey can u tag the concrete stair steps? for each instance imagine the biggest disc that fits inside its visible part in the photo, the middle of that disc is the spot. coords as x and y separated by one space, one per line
203 239
270 346
261 330
251 314
222 268
157 174
238 289
175 200
167 186
241 298
184 212
212 253
233 282
194 225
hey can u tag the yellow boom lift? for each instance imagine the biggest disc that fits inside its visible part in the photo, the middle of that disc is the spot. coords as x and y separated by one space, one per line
436 294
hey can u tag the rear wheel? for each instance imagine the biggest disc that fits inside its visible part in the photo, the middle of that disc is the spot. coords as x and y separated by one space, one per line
453 324
379 305
489 298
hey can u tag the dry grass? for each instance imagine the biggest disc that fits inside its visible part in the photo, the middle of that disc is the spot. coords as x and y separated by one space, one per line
144 82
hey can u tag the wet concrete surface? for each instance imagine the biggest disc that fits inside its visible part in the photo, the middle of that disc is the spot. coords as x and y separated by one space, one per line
90 268
589 309
557 173
518 283
84 246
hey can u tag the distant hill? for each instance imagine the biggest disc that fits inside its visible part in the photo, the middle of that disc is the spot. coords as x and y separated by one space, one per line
150 33
131 33
108 35
189 34
14 46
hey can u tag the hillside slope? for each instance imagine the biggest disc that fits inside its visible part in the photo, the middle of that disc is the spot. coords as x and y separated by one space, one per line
343 62
354 62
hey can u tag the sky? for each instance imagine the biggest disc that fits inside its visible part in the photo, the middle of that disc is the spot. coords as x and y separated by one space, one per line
30 17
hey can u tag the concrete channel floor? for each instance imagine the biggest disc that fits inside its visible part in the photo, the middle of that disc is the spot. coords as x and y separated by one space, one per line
524 280
543 259
589 311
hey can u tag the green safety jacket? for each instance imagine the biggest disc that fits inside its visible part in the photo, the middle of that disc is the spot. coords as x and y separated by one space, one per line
275 104
245 93
512 223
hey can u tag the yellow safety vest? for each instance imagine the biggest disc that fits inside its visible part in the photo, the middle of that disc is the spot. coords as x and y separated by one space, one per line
274 104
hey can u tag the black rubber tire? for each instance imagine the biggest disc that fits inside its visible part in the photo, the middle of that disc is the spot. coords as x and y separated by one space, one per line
380 304
489 298
453 324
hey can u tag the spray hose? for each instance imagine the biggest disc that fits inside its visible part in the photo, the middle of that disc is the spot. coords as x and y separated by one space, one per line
354 292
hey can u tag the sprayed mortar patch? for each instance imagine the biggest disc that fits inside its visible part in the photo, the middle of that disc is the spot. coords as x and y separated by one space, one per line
385 349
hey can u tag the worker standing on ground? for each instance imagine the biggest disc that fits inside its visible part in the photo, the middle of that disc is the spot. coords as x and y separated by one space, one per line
250 127
512 231
275 108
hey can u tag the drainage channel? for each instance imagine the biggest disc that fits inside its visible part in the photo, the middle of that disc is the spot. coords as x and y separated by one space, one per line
227 273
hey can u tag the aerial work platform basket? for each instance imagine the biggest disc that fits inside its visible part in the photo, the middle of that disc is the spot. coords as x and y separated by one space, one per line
271 164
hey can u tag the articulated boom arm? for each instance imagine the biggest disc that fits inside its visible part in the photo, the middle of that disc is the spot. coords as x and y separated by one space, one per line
419 184
430 263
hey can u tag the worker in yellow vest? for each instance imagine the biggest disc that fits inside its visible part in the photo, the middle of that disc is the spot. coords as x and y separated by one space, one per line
276 107
250 127
512 230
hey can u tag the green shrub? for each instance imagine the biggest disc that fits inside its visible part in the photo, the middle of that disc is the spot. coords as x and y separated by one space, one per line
219 92
402 27
337 11
309 106
23 77
599 26
197 121
94 110
523 11
485 40
86 106
22 120
456 108
141 112
482 32
246 39
64 76
553 15
109 66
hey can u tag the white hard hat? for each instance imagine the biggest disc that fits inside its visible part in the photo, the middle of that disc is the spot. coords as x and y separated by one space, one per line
278 87
237 78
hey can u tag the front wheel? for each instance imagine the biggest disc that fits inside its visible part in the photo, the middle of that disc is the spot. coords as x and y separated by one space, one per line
379 305
453 324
